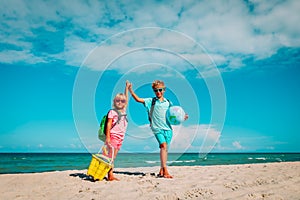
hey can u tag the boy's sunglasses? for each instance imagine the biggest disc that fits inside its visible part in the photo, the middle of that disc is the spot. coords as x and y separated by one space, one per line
159 90
119 100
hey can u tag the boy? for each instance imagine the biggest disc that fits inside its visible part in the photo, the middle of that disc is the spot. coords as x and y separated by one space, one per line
161 128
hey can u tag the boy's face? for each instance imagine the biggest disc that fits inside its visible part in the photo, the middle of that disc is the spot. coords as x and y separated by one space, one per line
159 90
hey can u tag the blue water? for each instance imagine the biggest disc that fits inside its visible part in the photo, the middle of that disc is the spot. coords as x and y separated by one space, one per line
42 162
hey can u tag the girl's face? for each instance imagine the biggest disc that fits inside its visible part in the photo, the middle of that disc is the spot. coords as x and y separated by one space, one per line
119 103
159 90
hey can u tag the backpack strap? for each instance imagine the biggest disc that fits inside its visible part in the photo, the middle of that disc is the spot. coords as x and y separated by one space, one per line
152 107
120 115
113 125
169 102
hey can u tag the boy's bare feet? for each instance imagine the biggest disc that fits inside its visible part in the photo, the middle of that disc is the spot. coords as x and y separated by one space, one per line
163 172
167 176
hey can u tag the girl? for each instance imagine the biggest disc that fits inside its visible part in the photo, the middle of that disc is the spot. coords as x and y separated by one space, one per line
115 132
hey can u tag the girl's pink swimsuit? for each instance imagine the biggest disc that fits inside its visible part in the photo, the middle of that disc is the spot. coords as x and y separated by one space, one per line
117 133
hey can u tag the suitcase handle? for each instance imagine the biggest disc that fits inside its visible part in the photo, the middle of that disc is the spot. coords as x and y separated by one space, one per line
108 151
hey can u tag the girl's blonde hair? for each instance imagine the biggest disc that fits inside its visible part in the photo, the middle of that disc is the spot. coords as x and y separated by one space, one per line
157 82
119 96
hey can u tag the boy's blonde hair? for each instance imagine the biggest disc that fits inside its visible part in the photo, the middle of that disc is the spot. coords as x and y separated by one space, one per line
158 82
119 96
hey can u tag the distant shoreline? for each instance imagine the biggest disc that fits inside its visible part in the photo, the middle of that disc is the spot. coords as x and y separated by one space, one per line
15 163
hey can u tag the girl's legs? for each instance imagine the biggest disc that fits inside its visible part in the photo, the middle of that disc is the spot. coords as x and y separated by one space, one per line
163 160
110 176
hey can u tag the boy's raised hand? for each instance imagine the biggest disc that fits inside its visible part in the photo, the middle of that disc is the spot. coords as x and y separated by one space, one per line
128 84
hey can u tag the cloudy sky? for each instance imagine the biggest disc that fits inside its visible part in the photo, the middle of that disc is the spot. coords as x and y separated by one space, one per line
232 65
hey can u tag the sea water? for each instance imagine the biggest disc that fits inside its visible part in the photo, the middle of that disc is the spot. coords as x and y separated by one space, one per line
43 162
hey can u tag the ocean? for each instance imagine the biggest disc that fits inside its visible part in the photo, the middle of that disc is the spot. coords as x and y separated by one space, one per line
44 162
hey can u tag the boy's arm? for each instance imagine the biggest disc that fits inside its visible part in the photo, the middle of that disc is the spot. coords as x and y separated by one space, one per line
136 97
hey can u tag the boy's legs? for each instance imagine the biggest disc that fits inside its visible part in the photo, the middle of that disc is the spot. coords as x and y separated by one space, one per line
163 160
164 139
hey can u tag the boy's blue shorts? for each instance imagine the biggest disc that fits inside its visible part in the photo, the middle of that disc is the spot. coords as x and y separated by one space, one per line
164 136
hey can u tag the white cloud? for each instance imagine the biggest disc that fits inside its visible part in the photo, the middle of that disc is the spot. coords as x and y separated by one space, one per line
76 50
279 18
237 145
192 138
237 139
13 56
228 30
149 45
196 138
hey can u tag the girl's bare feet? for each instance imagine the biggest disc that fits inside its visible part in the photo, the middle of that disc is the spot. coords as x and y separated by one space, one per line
112 178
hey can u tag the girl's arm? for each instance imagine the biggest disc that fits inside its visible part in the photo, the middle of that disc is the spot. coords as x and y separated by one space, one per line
107 131
126 92
136 97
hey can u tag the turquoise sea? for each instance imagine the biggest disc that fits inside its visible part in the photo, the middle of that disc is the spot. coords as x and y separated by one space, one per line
42 162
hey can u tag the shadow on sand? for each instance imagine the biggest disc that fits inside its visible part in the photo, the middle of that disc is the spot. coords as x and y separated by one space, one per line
86 177
83 177
130 173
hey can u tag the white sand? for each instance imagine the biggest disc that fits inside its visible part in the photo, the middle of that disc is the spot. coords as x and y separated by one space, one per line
249 181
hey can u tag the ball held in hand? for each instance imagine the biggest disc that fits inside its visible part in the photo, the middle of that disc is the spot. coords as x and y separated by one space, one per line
175 115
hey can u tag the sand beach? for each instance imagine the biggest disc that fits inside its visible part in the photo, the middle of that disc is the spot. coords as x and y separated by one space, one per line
247 181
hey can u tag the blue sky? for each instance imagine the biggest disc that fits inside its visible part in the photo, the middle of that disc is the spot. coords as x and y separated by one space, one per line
232 65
